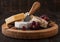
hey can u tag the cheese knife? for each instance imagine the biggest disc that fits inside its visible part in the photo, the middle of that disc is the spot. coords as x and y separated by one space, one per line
35 7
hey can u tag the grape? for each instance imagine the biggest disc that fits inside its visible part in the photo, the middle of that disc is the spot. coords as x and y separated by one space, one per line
23 28
37 26
38 23
32 27
45 17
33 23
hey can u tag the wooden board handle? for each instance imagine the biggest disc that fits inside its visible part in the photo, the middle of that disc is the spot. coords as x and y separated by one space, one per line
35 7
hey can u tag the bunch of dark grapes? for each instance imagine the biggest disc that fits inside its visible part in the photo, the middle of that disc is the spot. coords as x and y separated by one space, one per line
45 17
34 25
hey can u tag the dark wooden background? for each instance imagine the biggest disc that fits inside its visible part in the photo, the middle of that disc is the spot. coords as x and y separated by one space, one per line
11 7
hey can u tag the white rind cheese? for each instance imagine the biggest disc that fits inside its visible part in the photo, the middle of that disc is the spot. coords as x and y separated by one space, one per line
21 24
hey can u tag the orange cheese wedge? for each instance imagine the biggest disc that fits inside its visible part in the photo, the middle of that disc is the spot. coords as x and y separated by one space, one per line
16 17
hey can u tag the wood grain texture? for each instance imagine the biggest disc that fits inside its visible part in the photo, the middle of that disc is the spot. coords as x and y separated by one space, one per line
30 34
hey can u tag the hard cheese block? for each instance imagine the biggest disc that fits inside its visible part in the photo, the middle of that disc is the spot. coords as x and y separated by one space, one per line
16 17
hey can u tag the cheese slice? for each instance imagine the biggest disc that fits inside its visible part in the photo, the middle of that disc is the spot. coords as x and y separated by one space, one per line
16 17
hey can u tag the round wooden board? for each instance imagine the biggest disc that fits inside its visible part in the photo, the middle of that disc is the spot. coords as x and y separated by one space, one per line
30 34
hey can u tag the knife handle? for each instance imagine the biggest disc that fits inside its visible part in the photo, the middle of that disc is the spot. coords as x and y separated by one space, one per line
35 7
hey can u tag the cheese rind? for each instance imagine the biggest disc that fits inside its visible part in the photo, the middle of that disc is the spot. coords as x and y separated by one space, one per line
21 24
13 18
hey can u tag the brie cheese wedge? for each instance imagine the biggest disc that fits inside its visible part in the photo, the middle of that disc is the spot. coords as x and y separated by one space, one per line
21 24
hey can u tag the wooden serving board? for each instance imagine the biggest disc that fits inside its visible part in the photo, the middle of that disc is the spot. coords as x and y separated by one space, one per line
30 34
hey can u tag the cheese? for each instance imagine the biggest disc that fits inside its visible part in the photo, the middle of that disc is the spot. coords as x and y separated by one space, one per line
21 24
43 23
16 17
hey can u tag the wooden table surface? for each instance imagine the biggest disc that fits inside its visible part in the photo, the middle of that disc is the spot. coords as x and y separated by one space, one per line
8 8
